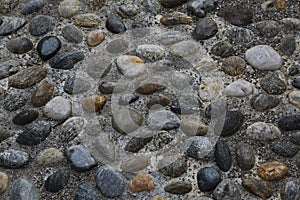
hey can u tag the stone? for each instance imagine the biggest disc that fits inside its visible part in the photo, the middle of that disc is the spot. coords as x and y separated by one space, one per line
69 8
236 15
42 94
135 164
263 57
19 45
3 182
289 123
298 161
175 18
263 102
245 156
127 10
50 157
233 122
294 98
72 34
137 143
110 87
233 66
205 29
258 187
66 61
58 108
172 3
157 197
131 66
291 190
200 7
109 182
86 192
93 103
32 6
223 49
11 25
178 187
14 159
291 23
57 181
270 171
198 147
171 37
126 99
80 158
23 189
94 38
89 20
152 6
150 52
7 6
273 85
149 88
48 47
268 28
158 101
285 149
263 131
184 48
223 156
239 88
8 68
71 128
141 182
163 120
95 4
40 25
14 102
208 178
193 127
209 89
117 46
172 166
227 190
25 117
4 135
76 85
161 139
238 35
181 80
115 24
296 82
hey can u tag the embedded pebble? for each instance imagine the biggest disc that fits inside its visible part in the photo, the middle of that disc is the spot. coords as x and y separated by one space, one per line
205 29
152 6
149 88
172 166
57 181
8 68
86 192
263 131
40 25
93 103
23 189
11 26
14 159
32 6
223 49
69 8
150 52
294 98
184 48
127 10
131 66
3 182
25 117
42 94
58 108
208 178
268 28
48 47
178 187
193 127
163 120
263 102
127 99
50 157
175 18
198 147
172 3
76 85
141 182
258 187
71 128
117 46
236 15
72 34
66 61
80 158
109 87
291 190
171 37
296 82
288 45
286 149
137 143
270 171
115 24
223 156
7 6
14 102
209 89
233 122
273 85
245 156
135 164
161 139
19 45
158 101
239 88
295 138
239 35
201 7
234 65
94 38
88 20
227 189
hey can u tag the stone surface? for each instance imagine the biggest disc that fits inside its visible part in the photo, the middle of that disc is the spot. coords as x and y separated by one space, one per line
14 102
289 123
40 25
209 89
239 88
263 131
141 182
57 181
69 8
296 82
58 108
205 29
158 101
285 149
258 187
66 61
234 66
233 122
150 52
117 46
11 26
201 7
223 156
198 147
236 15
270 171
184 48
178 187
115 24
223 49
135 164
19 45
288 45
93 103
13 159
149 88
7 6
227 190
273 85
32 6
3 182
193 127
71 128
25 117
76 85
127 120
89 20
50 157
127 10
72 34
171 37
137 143
86 192
23 189
8 68
175 18
131 66
268 28
263 102
111 87
48 47
172 166
238 35
294 98
42 94
94 38
245 156
127 99
208 178
291 190
162 139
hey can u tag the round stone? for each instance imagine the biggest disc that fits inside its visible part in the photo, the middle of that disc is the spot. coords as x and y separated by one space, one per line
3 182
208 178
72 34
42 94
150 52
50 157
86 192
239 88
89 20
272 170
172 166
178 187
19 45
32 6
80 158
245 156
236 15
94 38
109 87
184 48
48 47
205 29
23 189
25 117
93 103
234 66
69 8
263 102
40 25
131 66
198 147
263 131
58 108
57 181
141 182
115 24
273 85
291 190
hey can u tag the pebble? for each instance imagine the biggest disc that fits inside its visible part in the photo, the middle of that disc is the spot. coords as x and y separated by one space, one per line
93 103
239 88
8 68
175 18
11 25
109 182
36 134
95 4
135 164
171 37
205 29
233 122
223 156
149 88
76 85
233 66
193 127
50 157
57 181
126 99
185 48
198 147
200 7
268 28
32 6
157 197
172 166
263 102
25 117
86 192
19 45
158 101
89 20
292 23
3 182
263 131
141 182
161 139
14 159
163 120
137 143
152 6
131 66
80 158
72 34
127 10
209 89
178 187
48 47
8 5
42 94
69 8
291 190
208 178
263 57
58 108
94 38
71 128
285 149
123 123
110 87
236 15
115 24
270 171
40 25
273 85
23 189
245 156
289 123
295 82
294 98
14 102
117 46
239 35
150 52
66 61
228 190
223 49
258 187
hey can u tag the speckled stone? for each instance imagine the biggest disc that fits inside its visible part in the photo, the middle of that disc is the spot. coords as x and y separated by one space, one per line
11 25
171 37
201 7
233 65
175 18
288 45
163 120
127 120
291 190
150 52
80 158
117 46
48 47
161 139
25 117
58 108
227 190
294 98
14 159
208 178
19 45
127 10
245 156
273 85
23 189
66 61
57 181
205 29
258 187
3 182
72 34
289 123
50 157
172 166
285 149
137 143
94 38
141 182
198 147
32 6
86 192
8 68
272 170
263 102
238 35
42 94
40 25
263 131
152 6
72 128
14 102
69 8
89 20
178 187
223 49
268 28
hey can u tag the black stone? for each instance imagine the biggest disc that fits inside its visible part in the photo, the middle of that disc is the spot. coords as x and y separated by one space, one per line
48 47
233 122
57 181
76 85
288 45
66 61
236 15
208 178
205 29
263 102
289 123
32 6
40 25
285 149
86 192
115 24
223 49
223 156
136 144
273 85
19 45
25 117
296 82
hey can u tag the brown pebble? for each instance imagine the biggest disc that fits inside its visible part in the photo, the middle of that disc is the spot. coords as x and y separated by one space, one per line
3 182
93 103
149 88
175 18
94 38
257 187
179 187
158 100
141 182
42 94
272 170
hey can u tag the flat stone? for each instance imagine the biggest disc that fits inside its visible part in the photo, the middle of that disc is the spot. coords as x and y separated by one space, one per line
42 94
163 120
8 68
69 8
50 157
11 25
234 66
176 18
88 20
245 156
239 88
263 131
25 117
13 159
66 61
135 164
291 190
48 47
270 171
115 24
289 123
223 156
14 102
258 187
72 34
223 49
263 102
40 25
94 38
127 120
80 158
201 7
268 28
285 149
72 128
193 127
86 192
23 189
178 187
198 147
141 182
137 143
131 66
93 103
208 178
58 108
205 29
32 6
227 190
236 15
273 85
172 166
57 181
3 182
19 45
238 35
149 88
150 52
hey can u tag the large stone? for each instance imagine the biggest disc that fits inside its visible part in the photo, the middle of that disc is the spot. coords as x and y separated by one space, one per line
48 47
245 156
258 187
270 171
208 178
40 25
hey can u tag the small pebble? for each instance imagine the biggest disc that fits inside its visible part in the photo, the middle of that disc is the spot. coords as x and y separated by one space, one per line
175 18
263 102
150 52
236 15
25 117
76 85
198 147
270 171
258 187
273 85
208 178
115 24
131 66
263 131
94 38
42 94
172 166
178 187
135 164
141 182
127 120
205 29
239 88
88 20
245 156
223 49
289 123
40 25
48 47
72 34
66 61
223 156
69 8
80 158
8 68
288 45
234 66
3 182
32 6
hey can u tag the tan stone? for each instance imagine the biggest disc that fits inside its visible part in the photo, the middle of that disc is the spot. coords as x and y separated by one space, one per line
94 38
93 103
141 182
270 171
3 182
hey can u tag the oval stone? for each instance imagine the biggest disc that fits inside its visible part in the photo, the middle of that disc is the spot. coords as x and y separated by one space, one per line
263 102
48 47
42 94
258 187
40 25
19 45
223 156
66 61
178 187
245 156
25 117
57 181
272 171
208 178
289 123
131 66
23 189
58 108
14 159
263 131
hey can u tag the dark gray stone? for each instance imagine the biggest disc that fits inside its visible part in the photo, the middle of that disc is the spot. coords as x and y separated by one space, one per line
48 47
198 147
178 187
208 178
200 7
236 15
227 190
258 187
86 192
245 156
25 117
223 156
8 68
57 181
14 159
115 24
285 149
205 29
273 85
40 25
66 61
14 102
109 87
32 6
289 123
233 122
222 49
288 45
263 102
268 28
291 190
72 34
11 26
23 189
80 158
163 120
296 82
173 168
19 45
239 35
172 3
137 143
